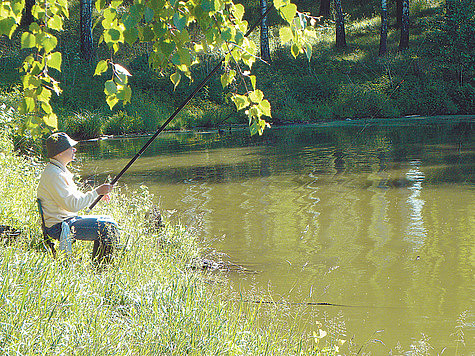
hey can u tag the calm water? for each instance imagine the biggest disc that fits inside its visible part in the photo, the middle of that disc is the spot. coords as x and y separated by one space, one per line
379 217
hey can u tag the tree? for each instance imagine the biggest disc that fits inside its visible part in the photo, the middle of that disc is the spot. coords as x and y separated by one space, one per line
404 39
340 25
398 13
265 50
459 37
85 10
179 33
324 8
27 17
384 28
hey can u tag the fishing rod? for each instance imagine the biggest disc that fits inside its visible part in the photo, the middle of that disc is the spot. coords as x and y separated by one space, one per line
197 89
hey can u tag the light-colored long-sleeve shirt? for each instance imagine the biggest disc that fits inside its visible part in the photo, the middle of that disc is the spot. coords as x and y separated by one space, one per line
59 195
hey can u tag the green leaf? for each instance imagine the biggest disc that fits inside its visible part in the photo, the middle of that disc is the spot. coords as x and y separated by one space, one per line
285 34
208 5
48 42
254 128
54 60
238 11
240 101
101 67
148 14
47 107
114 35
179 21
131 35
308 51
56 23
7 26
109 15
100 4
227 34
295 50
127 94
279 3
110 87
288 12
175 78
44 95
112 100
256 96
227 78
253 81
28 40
29 103
264 106
51 120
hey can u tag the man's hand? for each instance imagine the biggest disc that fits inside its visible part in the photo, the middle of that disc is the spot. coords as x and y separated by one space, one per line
104 189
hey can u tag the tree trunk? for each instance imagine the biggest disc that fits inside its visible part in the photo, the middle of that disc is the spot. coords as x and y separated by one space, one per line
265 51
340 26
86 29
324 8
398 13
384 29
404 40
27 17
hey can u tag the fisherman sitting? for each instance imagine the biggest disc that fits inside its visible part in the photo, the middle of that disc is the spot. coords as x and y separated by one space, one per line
61 201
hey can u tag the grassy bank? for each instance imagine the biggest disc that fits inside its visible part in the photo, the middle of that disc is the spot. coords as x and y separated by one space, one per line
146 302
335 84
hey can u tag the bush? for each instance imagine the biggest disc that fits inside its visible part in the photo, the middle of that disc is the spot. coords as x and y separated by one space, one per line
365 100
424 96
121 123
82 125
464 97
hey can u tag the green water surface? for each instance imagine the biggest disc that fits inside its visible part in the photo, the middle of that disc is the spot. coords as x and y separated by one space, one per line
376 216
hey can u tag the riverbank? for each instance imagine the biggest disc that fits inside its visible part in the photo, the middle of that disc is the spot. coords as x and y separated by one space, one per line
146 302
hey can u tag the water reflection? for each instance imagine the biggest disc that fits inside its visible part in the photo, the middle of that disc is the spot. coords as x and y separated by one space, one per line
416 232
380 218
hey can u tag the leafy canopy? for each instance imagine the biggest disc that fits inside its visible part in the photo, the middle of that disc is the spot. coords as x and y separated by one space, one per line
180 33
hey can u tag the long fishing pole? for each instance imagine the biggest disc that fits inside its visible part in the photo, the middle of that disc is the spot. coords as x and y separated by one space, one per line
197 89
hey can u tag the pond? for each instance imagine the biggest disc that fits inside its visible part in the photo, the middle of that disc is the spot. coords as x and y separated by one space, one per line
375 216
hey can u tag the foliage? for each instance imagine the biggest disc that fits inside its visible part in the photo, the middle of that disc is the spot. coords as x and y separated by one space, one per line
459 37
82 125
121 123
178 33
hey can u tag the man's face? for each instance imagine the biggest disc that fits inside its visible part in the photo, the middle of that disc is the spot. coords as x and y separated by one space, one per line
67 156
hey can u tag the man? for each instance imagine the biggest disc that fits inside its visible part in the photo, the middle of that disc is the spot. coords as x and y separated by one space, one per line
61 201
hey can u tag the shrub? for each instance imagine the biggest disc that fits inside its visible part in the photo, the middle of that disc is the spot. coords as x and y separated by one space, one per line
121 123
424 96
464 97
365 100
82 125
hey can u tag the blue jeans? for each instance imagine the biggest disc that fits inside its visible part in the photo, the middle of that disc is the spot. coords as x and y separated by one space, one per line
100 229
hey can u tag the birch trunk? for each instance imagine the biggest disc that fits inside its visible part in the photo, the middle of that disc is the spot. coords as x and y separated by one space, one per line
384 29
404 40
340 26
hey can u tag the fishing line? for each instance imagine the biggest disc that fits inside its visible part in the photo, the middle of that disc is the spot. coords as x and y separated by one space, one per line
197 89
319 304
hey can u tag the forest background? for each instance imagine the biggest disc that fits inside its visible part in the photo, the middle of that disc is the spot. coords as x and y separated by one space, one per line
430 75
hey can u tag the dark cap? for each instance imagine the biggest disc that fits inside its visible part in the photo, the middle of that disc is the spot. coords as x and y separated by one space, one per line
57 143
